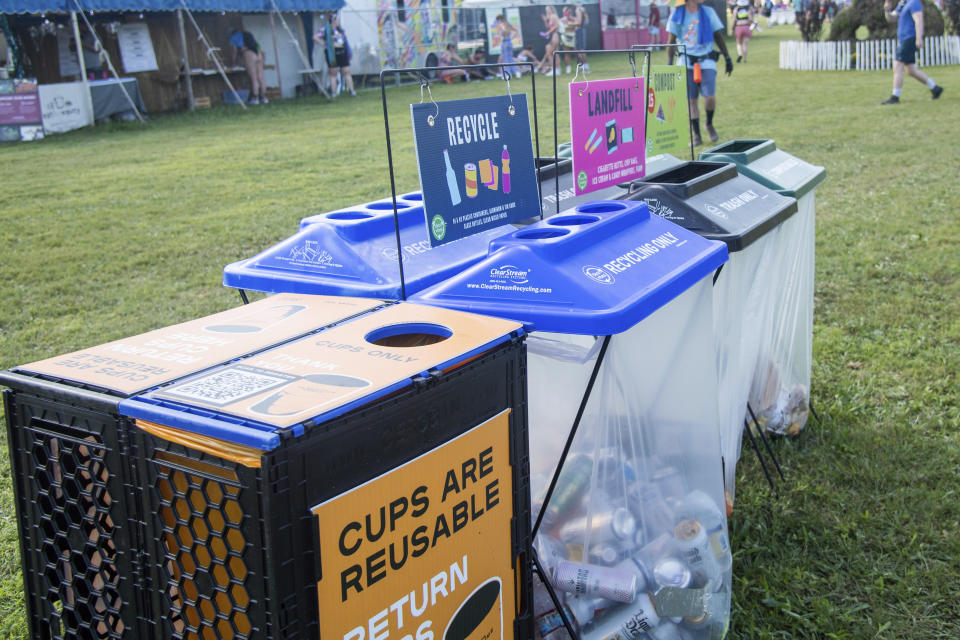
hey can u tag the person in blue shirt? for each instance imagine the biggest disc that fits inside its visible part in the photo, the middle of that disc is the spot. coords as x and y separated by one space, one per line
698 28
909 17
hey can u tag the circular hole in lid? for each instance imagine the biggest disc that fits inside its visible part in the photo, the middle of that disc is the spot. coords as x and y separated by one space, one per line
540 234
349 215
383 206
601 207
572 221
409 334
416 196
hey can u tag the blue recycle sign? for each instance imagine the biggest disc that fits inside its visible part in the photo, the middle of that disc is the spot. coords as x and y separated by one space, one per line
476 165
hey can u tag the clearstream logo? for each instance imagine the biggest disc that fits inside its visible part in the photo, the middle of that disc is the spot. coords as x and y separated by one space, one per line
598 274
508 272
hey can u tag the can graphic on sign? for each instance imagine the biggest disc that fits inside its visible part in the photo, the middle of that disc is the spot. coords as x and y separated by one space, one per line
480 616
470 176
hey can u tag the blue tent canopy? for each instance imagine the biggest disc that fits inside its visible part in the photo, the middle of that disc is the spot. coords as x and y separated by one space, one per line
243 6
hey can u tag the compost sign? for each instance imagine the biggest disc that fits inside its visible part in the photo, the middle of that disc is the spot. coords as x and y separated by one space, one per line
668 122
607 132
423 552
476 165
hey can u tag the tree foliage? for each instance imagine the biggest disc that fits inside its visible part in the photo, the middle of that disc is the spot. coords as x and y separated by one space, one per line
869 14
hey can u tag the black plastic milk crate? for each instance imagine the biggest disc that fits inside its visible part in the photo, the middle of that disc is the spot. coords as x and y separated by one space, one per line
233 543
75 481
74 491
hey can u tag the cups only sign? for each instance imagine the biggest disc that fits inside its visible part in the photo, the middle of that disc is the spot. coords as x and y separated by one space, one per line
607 132
476 165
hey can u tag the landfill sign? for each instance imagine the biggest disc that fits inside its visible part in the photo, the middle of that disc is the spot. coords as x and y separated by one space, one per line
668 124
476 165
423 552
607 132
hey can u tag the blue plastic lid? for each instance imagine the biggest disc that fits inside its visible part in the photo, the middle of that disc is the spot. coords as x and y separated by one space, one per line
597 269
353 252
556 179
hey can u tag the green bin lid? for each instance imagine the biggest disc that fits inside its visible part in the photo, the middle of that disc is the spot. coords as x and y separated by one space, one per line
771 167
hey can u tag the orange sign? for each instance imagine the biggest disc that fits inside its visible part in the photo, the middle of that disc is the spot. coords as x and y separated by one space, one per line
423 552
311 376
141 362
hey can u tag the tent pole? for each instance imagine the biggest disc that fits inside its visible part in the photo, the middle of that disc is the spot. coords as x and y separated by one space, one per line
83 66
276 55
191 103
113 71
303 56
211 54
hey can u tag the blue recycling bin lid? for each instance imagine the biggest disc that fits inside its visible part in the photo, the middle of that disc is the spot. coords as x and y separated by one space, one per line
556 179
353 252
772 167
596 269
715 201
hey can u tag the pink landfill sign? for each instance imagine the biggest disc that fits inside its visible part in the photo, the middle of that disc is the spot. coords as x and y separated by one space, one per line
607 132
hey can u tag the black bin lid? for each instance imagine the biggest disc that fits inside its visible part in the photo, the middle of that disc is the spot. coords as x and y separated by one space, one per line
715 201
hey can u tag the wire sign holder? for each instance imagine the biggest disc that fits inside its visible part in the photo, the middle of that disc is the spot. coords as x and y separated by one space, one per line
494 182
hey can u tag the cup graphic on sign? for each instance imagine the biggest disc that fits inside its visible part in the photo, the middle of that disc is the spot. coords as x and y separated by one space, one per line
480 616
258 320
308 392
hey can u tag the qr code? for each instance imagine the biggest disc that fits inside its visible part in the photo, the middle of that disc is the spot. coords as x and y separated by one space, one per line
227 386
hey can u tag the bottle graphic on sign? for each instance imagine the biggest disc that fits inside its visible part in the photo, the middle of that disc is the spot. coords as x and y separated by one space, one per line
451 180
505 170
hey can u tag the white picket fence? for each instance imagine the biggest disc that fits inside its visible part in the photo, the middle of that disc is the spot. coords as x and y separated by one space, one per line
815 56
869 55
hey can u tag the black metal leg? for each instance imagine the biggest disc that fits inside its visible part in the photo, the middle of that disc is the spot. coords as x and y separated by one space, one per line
763 464
814 413
243 296
545 579
766 442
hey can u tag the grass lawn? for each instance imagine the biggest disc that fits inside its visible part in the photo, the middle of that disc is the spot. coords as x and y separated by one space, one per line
120 229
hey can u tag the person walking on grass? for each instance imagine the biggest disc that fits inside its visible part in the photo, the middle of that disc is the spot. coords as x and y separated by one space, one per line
698 27
909 17
742 27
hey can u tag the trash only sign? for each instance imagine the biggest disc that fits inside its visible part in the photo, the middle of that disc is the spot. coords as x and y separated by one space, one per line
423 552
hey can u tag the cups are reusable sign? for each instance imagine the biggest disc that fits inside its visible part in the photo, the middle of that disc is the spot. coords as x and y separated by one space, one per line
476 165
607 132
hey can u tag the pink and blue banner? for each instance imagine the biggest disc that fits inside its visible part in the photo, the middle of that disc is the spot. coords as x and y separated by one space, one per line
607 132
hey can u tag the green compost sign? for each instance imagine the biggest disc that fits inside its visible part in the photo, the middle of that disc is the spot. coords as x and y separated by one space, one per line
668 123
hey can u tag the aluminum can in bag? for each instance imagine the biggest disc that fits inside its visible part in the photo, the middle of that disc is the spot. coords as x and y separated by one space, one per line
595 581
693 547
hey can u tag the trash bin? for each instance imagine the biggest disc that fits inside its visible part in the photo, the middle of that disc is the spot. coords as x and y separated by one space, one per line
548 168
621 362
79 508
366 481
715 201
353 252
780 394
